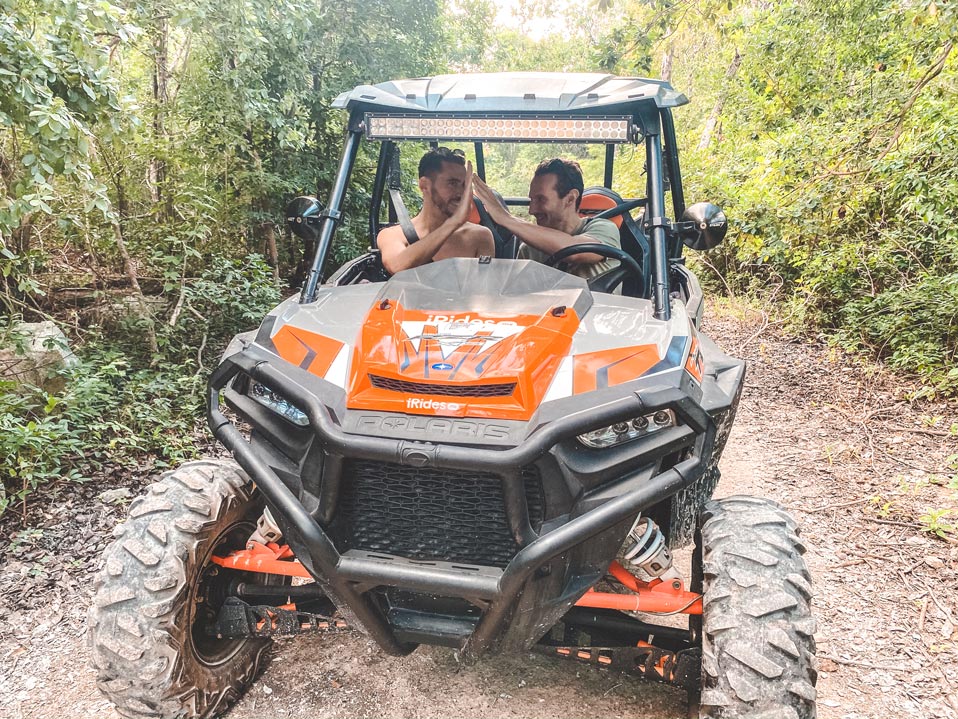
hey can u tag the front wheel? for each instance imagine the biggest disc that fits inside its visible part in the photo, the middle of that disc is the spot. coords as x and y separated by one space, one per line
159 592
758 648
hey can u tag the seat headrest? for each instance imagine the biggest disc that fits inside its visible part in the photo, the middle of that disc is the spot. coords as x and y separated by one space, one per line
474 213
596 200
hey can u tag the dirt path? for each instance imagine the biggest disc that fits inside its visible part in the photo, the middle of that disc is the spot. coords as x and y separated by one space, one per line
836 444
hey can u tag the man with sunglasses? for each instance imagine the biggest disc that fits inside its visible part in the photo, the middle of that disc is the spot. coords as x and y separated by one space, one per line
554 196
442 228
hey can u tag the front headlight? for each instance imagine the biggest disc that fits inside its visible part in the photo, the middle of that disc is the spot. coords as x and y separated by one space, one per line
627 431
279 404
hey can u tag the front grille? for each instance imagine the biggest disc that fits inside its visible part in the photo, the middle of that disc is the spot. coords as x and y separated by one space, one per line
429 514
502 389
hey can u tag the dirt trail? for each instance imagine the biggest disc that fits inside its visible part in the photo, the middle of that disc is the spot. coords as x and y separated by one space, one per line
836 444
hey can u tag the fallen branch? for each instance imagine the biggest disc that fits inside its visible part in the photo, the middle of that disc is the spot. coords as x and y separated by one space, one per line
835 506
910 525
932 432
944 610
868 665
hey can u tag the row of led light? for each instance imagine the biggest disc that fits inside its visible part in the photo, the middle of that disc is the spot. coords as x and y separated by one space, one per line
276 402
621 432
499 128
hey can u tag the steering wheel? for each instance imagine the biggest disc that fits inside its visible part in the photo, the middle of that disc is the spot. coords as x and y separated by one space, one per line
606 282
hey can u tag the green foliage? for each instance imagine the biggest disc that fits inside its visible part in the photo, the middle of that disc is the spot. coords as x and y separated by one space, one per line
837 164
55 93
162 141
229 296
940 522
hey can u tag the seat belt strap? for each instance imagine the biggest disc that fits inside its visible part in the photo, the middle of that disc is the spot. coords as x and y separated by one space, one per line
402 215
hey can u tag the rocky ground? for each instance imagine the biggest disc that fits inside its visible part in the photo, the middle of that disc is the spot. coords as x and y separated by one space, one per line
869 474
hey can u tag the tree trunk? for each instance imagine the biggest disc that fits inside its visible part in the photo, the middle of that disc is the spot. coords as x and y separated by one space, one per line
713 119
667 63
157 169
135 284
269 231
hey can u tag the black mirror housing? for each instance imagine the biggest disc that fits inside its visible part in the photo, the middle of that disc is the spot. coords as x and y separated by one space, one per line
303 215
703 226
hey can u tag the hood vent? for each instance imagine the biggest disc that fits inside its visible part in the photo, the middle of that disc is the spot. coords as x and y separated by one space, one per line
499 389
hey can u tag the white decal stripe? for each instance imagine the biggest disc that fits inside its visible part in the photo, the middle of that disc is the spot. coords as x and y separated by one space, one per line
337 370
562 382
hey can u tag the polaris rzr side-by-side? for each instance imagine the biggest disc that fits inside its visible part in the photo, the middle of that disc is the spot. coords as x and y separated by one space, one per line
490 454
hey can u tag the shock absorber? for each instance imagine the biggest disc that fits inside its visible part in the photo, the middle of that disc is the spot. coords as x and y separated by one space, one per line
266 530
646 549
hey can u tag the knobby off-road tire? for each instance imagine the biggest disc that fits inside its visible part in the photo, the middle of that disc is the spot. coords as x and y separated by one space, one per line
758 642
146 624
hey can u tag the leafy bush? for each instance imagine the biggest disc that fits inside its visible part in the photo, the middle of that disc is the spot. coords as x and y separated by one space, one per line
118 404
837 163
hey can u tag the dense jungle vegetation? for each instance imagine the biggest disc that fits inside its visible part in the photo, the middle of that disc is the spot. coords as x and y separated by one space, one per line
147 149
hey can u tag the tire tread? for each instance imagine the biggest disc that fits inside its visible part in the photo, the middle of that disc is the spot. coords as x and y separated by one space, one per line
758 644
141 648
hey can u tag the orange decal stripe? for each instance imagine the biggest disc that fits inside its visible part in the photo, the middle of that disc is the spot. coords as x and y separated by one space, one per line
307 350
607 368
695 365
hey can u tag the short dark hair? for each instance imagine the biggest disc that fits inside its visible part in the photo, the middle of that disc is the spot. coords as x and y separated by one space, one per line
568 176
431 163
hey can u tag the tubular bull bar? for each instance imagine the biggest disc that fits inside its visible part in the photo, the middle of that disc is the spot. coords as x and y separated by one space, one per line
346 578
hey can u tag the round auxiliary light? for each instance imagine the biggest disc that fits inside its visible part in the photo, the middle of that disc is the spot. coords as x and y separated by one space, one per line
620 428
640 423
661 417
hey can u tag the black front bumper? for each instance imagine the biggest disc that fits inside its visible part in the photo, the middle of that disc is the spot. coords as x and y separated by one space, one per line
515 604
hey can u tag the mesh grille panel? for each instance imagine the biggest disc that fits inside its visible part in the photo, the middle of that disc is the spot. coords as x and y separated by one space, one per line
448 390
429 514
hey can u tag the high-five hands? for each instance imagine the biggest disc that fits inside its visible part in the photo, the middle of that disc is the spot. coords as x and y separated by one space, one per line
461 214
488 198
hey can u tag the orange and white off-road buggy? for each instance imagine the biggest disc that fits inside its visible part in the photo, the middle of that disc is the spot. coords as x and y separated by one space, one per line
489 454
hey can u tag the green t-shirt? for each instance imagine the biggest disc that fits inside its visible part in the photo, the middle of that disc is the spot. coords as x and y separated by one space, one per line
597 229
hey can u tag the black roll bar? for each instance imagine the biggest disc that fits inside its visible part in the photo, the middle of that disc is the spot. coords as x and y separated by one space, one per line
379 186
658 222
331 215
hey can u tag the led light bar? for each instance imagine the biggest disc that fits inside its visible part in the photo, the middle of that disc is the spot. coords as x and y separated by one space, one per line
627 431
499 129
279 404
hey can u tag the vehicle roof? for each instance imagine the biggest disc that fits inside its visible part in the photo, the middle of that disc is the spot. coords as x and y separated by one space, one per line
518 93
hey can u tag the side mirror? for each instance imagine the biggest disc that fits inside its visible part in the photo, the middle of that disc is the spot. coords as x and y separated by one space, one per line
302 216
703 226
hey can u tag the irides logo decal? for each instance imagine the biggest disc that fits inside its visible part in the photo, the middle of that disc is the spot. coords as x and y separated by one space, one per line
420 403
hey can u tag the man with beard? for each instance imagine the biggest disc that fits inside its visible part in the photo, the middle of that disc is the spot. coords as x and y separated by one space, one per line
554 196
442 227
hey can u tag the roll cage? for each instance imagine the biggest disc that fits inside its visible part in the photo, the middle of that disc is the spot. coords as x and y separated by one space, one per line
514 107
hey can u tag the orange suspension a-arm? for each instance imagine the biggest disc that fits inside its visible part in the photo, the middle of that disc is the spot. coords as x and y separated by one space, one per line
655 597
265 559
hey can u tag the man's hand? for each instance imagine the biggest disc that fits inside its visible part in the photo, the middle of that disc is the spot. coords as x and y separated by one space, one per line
461 214
488 198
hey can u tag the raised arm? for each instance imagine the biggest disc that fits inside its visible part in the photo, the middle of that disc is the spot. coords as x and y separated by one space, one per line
544 239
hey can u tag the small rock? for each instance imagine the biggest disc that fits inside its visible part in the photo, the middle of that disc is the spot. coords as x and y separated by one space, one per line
114 496
827 665
829 702
266 690
934 562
